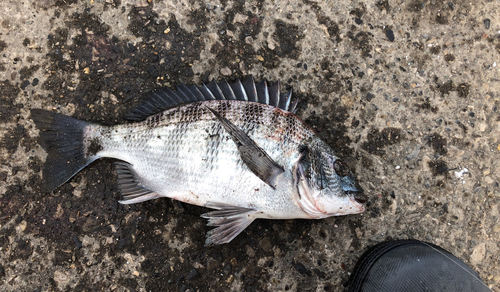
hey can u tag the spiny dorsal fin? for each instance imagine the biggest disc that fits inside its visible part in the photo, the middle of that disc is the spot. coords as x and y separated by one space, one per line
165 98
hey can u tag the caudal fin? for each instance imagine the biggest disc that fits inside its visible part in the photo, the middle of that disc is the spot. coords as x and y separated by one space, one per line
62 138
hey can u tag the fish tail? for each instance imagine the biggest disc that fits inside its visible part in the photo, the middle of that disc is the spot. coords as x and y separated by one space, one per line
63 139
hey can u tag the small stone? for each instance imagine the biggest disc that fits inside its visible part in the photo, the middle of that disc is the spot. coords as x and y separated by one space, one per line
271 46
301 269
136 273
234 262
35 82
478 253
25 84
86 70
249 40
398 167
250 251
240 18
260 58
22 226
487 23
488 180
61 278
193 274
498 147
166 30
225 71
390 35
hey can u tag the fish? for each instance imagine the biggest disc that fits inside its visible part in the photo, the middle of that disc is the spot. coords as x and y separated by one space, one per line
236 148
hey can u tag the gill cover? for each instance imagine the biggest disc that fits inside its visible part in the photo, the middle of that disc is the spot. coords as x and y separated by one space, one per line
324 185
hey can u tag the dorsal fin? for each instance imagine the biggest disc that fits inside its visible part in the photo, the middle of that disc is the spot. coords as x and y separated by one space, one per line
164 98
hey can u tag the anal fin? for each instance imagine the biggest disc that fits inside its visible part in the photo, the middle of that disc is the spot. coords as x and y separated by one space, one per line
230 221
130 187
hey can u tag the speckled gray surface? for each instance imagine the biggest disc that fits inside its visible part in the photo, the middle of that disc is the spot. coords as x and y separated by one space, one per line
408 92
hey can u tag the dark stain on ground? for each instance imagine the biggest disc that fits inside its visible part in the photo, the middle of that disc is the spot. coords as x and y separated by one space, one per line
449 58
445 88
3 45
383 5
8 96
442 17
377 140
330 127
438 167
331 26
463 89
107 64
27 72
288 36
353 224
361 41
11 139
438 143
425 105
237 53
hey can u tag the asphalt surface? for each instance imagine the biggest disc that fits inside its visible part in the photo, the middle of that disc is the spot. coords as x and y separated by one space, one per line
407 92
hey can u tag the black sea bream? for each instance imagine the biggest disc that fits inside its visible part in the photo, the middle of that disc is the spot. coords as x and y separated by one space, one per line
236 148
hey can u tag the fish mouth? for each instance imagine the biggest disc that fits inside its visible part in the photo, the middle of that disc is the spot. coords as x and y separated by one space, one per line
360 198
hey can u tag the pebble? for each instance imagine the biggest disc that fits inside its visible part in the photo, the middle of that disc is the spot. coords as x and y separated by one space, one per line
193 274
136 273
250 251
478 253
390 35
240 18
225 71
22 226
25 84
301 268
61 278
487 23
249 40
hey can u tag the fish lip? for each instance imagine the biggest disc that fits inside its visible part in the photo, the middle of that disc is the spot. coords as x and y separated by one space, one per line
360 207
359 197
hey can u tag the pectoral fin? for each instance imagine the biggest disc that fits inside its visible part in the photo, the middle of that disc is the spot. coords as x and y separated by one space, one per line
257 160
130 187
231 221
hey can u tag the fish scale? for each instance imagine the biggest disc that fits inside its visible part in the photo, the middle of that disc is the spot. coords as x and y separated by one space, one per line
211 146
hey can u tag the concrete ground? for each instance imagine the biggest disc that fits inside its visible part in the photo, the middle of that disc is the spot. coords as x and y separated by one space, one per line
407 92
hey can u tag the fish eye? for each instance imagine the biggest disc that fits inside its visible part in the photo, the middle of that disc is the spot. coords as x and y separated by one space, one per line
341 168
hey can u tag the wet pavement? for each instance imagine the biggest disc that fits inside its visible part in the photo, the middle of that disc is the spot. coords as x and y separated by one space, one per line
406 92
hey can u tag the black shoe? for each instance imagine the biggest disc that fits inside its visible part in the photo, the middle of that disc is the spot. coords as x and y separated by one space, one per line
412 265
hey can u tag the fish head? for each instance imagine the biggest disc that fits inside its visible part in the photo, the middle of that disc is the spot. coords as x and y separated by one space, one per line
324 185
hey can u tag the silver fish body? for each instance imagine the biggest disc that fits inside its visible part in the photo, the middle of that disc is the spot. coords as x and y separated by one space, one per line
189 153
